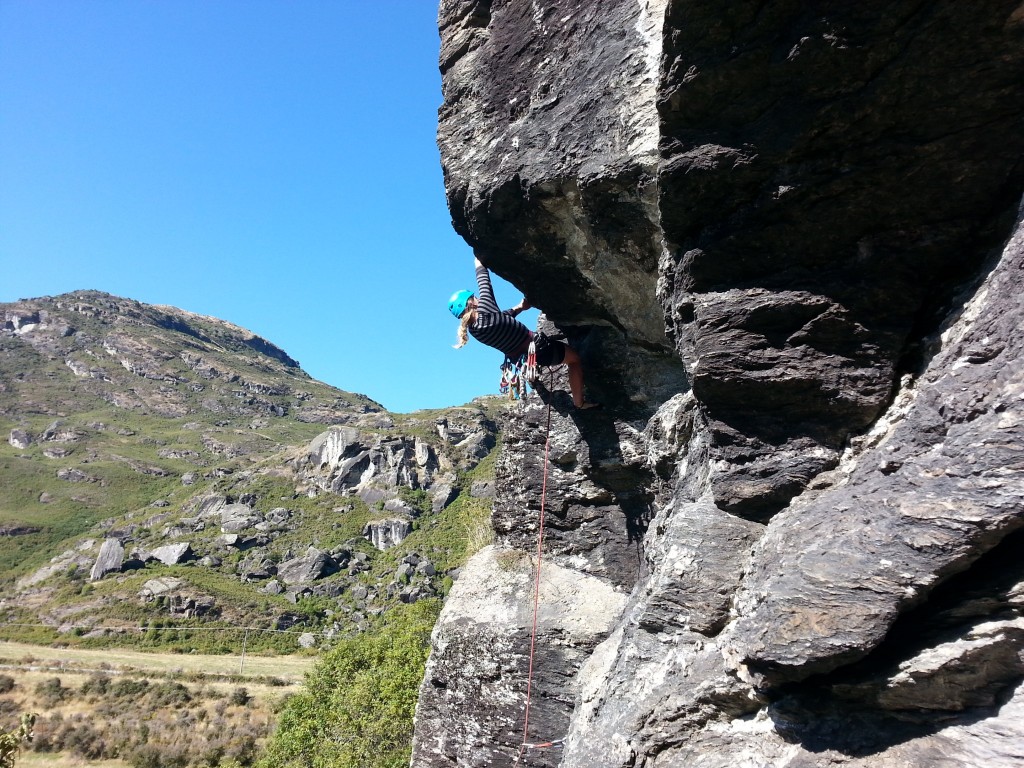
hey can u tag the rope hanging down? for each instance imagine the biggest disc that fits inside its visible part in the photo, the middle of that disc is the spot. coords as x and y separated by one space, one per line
536 598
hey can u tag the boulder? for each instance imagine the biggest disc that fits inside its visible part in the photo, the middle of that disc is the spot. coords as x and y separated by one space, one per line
272 587
172 554
237 517
74 476
109 560
482 489
256 567
442 494
278 516
161 586
308 568
20 439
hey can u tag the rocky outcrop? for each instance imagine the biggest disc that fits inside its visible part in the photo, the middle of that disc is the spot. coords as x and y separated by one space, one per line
481 649
314 565
379 467
786 243
172 554
384 534
109 560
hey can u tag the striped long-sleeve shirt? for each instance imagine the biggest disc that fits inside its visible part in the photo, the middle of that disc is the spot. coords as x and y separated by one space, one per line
492 326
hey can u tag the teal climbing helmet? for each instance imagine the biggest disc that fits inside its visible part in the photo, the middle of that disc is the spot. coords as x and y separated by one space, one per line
457 303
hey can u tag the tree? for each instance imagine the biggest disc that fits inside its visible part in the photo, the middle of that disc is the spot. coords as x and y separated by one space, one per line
10 742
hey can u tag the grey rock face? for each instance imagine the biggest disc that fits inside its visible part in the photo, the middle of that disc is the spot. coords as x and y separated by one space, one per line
162 586
786 245
540 155
940 487
307 569
346 461
238 517
804 240
20 439
109 560
172 554
385 534
480 658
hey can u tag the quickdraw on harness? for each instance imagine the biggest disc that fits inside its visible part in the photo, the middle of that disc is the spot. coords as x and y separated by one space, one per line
517 374
531 363
513 382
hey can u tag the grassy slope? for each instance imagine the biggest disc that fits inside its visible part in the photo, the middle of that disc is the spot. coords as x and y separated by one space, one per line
122 422
227 429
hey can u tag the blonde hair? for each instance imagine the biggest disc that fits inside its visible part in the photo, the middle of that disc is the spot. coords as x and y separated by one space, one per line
464 323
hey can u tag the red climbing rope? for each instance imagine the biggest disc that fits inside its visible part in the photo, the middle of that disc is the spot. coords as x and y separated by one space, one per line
536 599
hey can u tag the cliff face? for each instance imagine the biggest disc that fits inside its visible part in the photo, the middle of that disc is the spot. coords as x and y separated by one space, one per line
786 242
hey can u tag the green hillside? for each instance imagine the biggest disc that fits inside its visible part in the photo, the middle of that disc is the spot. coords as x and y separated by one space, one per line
185 450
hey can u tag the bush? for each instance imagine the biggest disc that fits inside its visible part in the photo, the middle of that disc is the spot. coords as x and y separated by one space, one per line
6 683
171 694
146 756
128 688
239 697
51 692
357 706
96 684
10 743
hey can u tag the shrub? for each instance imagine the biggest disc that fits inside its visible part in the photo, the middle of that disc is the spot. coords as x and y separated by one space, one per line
146 756
129 689
96 684
171 694
357 706
6 683
239 697
51 692
10 743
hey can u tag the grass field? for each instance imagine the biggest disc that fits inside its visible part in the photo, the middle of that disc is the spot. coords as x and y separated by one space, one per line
64 760
114 708
287 668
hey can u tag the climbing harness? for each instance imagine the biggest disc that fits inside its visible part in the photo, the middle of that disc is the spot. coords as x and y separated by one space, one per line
536 596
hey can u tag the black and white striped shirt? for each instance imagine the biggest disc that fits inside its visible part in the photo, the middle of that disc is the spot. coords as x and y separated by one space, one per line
492 326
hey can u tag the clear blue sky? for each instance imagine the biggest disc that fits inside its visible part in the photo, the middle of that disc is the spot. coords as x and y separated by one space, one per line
269 162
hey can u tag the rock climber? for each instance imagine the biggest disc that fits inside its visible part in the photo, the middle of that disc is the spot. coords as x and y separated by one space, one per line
482 318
